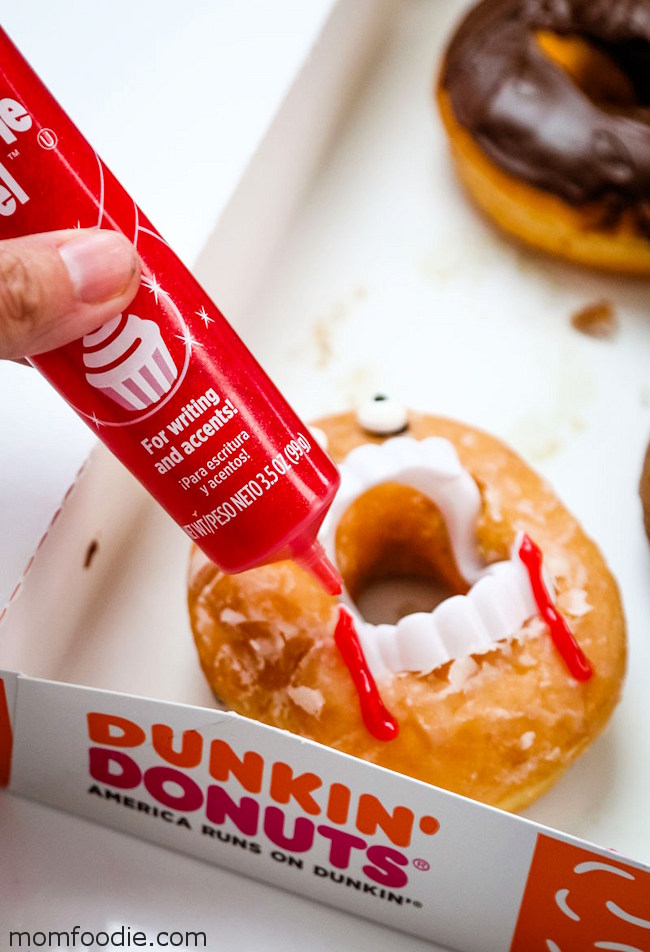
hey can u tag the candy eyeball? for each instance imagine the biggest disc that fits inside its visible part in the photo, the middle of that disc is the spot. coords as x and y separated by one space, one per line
381 415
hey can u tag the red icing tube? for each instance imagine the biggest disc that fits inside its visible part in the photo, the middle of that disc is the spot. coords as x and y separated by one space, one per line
380 722
167 386
563 638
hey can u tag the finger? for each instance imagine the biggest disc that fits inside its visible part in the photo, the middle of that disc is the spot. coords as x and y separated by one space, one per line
58 286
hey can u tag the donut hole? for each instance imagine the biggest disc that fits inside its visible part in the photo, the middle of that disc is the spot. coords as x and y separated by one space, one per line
386 600
594 70
393 551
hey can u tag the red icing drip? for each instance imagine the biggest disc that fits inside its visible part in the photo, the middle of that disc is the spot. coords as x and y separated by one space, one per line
563 638
380 722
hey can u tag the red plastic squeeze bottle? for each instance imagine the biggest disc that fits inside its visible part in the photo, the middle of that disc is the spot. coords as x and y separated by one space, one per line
168 386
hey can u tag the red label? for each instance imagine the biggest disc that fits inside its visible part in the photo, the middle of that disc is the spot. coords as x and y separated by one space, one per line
576 901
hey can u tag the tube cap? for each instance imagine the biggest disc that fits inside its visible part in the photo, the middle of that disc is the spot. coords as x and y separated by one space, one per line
315 561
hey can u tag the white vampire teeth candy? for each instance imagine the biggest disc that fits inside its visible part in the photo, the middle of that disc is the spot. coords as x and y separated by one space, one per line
500 600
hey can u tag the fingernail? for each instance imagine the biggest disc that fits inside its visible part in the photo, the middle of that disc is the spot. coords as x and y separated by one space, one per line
100 264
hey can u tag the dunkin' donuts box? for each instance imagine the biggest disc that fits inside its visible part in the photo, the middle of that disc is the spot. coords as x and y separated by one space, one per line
103 709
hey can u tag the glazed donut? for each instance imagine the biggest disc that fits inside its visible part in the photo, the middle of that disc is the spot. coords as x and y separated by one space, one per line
471 694
545 103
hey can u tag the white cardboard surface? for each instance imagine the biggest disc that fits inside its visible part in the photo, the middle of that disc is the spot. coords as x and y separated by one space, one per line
175 100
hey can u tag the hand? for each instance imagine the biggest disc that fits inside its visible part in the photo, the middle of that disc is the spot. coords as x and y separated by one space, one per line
58 286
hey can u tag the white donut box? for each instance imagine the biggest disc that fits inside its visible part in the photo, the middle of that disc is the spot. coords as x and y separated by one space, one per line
351 263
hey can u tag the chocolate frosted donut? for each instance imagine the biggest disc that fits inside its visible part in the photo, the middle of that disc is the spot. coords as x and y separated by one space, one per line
554 95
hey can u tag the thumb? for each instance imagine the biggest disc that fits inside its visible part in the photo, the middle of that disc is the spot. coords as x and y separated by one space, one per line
58 286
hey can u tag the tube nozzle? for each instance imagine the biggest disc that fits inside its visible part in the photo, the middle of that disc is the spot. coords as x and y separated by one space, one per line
315 561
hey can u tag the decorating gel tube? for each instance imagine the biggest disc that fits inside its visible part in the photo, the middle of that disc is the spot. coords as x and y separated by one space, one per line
168 386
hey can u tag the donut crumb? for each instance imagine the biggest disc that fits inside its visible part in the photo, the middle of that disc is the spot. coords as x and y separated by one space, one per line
598 319
91 552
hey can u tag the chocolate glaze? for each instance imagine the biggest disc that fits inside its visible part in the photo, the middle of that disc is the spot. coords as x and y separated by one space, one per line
526 113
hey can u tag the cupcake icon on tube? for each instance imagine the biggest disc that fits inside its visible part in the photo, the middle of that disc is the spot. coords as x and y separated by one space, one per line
128 361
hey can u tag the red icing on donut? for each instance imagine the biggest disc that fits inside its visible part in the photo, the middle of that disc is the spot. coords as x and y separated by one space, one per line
563 639
380 722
